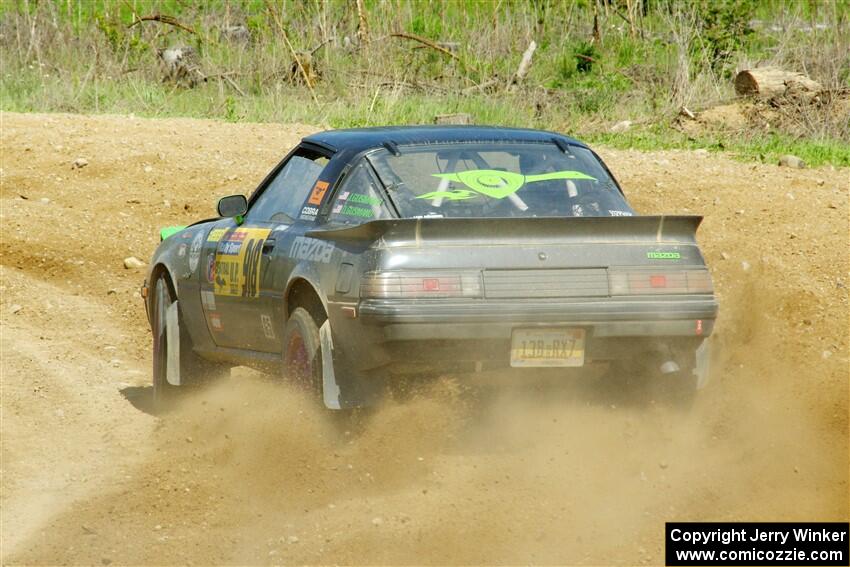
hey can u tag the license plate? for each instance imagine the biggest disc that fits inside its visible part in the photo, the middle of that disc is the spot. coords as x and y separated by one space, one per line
547 347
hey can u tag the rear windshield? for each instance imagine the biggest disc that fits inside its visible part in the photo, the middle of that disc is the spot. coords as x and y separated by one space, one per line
498 180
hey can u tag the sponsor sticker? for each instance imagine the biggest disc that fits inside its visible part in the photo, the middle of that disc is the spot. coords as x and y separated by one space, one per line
208 300
237 262
268 328
211 268
311 249
181 250
215 322
216 234
195 251
309 212
319 190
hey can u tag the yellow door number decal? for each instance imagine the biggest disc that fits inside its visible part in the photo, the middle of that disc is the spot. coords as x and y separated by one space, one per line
237 262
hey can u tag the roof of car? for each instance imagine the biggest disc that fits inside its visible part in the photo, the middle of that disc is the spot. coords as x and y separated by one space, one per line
359 139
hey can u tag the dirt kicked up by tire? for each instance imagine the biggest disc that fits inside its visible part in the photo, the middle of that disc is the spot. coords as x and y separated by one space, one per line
249 471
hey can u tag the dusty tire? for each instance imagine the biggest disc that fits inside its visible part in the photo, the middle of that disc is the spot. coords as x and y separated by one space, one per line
163 392
194 370
302 351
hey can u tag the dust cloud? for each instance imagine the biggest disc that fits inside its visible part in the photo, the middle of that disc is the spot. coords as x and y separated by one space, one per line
495 469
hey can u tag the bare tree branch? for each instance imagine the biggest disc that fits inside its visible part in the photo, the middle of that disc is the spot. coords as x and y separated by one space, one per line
162 18
425 41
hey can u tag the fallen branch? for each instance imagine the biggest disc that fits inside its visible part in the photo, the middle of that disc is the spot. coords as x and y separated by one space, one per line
425 41
233 84
524 64
480 87
684 111
162 18
321 45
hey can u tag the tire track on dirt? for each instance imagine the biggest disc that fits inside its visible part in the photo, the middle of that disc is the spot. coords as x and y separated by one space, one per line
63 366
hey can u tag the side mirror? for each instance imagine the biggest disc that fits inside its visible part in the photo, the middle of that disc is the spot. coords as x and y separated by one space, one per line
232 206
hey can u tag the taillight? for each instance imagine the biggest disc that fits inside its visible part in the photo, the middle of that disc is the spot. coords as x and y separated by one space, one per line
640 281
421 285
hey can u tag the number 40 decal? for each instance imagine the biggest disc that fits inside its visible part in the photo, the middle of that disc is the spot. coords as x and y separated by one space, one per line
251 267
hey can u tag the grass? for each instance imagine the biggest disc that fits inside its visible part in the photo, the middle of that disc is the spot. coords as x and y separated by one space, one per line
82 56
765 148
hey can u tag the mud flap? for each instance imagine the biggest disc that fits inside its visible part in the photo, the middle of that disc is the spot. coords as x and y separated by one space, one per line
702 364
172 338
330 388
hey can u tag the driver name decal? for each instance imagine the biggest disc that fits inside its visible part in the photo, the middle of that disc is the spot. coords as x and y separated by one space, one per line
237 262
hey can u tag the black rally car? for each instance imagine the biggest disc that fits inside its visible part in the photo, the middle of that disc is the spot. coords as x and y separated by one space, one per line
370 253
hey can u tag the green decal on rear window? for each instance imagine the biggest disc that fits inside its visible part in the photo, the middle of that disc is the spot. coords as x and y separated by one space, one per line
494 183
663 255
456 195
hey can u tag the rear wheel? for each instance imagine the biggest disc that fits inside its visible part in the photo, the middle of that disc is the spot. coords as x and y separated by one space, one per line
302 351
194 370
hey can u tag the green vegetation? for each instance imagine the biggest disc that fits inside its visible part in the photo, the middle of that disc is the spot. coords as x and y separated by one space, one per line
596 64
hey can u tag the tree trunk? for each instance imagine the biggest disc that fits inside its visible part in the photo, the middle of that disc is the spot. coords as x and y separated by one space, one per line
362 23
767 82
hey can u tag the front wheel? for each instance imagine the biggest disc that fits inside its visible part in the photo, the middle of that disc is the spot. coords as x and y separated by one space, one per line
163 392
193 370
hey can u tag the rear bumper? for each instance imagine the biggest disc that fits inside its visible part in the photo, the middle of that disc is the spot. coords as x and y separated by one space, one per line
487 319
399 334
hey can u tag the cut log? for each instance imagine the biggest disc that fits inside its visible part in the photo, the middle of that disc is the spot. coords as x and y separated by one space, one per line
459 118
768 82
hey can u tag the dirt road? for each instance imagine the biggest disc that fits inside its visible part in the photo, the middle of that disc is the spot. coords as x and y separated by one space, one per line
250 472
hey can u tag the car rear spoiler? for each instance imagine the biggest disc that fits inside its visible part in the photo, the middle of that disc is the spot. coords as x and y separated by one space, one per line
678 229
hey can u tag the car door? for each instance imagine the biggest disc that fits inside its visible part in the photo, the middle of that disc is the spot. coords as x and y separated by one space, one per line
238 290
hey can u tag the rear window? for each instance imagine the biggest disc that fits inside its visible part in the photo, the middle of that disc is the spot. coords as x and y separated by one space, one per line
498 180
